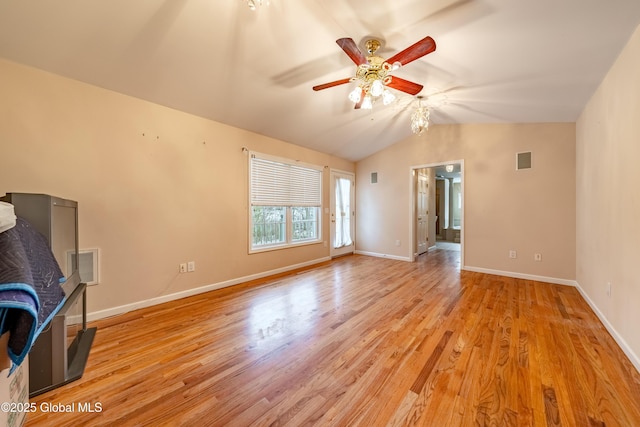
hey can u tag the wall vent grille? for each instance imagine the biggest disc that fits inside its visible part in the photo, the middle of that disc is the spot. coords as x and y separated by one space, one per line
89 260
523 160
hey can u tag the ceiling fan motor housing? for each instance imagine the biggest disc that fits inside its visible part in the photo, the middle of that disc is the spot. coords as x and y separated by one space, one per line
372 45
375 69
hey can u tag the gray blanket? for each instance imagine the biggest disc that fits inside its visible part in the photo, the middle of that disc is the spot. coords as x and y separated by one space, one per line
30 291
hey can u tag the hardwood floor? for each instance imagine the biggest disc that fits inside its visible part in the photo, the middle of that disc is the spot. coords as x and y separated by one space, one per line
358 341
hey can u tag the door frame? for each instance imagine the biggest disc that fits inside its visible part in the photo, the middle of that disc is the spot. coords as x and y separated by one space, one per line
332 197
412 207
416 244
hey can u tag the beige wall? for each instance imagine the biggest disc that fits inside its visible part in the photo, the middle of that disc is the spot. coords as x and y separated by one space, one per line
156 186
530 211
608 199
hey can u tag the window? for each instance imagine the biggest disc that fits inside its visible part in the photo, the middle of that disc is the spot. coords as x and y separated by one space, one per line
286 201
269 225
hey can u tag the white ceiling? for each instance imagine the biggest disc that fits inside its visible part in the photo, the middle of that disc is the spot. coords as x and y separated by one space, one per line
496 60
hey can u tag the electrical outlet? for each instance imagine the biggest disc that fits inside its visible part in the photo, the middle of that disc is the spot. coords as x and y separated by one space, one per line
608 289
191 266
513 254
537 257
397 242
183 267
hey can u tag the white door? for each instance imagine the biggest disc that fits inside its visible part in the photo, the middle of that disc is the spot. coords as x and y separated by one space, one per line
342 213
422 206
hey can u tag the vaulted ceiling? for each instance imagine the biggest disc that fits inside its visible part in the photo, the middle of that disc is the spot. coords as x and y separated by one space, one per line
496 60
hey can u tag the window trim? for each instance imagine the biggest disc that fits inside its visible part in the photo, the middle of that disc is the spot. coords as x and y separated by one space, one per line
318 204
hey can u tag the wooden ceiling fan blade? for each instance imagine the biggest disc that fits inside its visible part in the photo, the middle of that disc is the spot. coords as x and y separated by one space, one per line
332 84
413 52
351 49
404 85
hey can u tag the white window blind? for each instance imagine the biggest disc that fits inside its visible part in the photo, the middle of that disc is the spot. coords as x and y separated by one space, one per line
277 182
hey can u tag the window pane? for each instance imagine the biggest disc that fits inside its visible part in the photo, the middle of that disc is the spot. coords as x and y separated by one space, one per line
269 225
343 213
305 223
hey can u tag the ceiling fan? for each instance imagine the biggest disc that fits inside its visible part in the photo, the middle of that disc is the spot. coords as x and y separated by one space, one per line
373 74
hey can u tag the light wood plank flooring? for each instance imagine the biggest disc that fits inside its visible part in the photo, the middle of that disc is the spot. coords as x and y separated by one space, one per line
358 341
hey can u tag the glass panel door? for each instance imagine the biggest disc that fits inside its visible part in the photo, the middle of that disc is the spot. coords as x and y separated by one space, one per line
342 213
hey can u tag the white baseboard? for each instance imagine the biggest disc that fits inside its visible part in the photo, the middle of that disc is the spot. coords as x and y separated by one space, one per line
101 314
545 279
375 254
633 357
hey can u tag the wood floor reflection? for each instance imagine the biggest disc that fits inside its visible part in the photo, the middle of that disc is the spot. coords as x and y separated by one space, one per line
359 341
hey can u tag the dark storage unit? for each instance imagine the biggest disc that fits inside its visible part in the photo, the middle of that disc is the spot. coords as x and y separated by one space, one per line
60 352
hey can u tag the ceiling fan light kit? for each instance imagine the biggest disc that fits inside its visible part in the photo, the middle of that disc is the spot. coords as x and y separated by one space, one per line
372 78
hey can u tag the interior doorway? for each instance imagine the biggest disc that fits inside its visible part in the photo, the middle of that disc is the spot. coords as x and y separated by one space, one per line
440 211
342 213
422 190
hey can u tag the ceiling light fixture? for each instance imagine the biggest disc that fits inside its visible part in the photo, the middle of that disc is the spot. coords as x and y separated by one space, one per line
253 4
449 168
372 78
367 102
420 118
